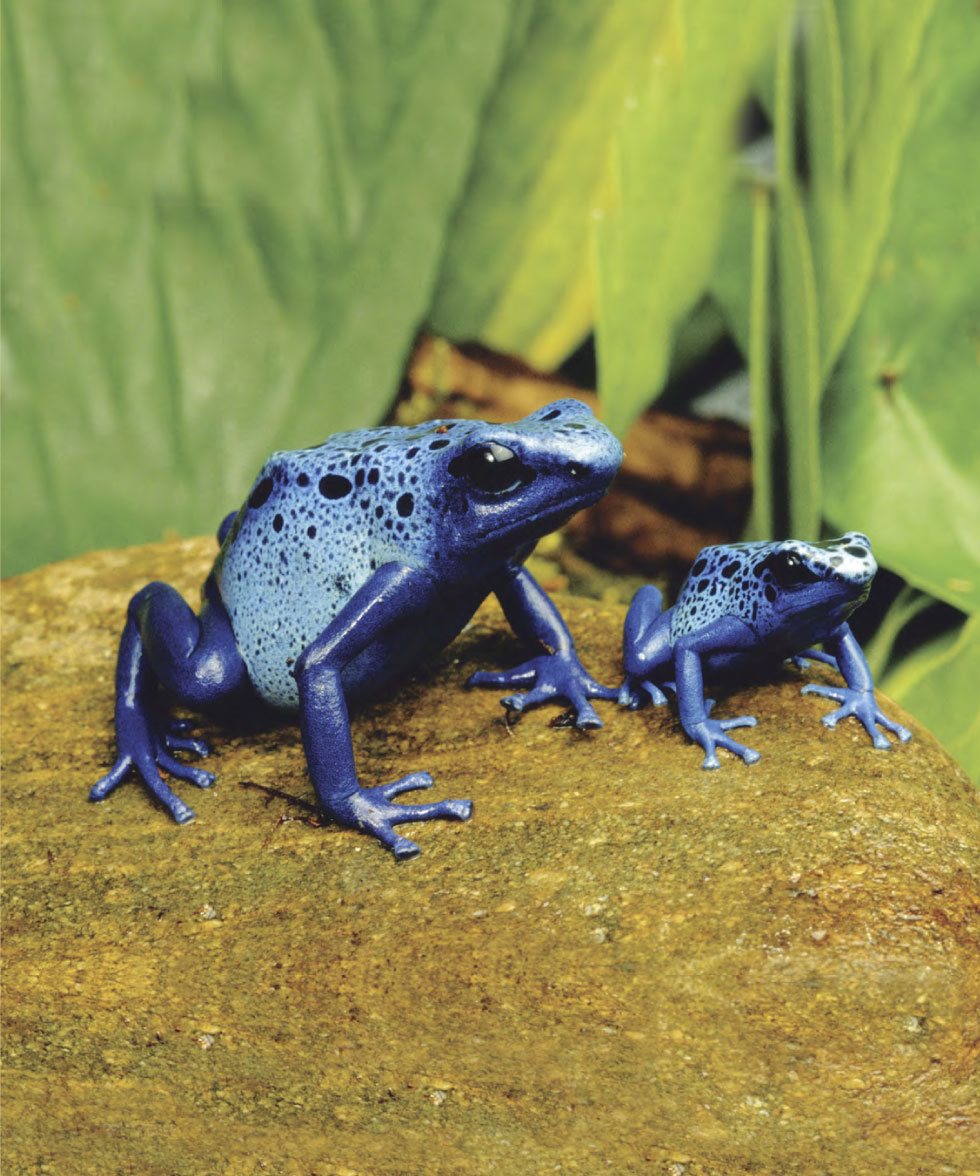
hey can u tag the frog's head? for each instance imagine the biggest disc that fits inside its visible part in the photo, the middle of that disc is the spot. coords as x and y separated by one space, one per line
502 487
801 584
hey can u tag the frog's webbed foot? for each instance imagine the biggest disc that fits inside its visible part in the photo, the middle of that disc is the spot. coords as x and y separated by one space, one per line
146 743
862 705
710 734
371 810
636 692
551 677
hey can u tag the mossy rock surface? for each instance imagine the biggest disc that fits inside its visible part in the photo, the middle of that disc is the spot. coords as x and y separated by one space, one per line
622 963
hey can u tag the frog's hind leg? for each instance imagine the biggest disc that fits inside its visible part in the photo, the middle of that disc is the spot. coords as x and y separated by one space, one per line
193 657
646 648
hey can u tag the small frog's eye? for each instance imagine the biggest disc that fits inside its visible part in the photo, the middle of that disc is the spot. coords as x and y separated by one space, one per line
492 468
789 571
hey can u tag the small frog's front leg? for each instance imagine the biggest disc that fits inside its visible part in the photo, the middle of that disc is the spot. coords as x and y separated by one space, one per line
553 675
857 697
393 596
726 634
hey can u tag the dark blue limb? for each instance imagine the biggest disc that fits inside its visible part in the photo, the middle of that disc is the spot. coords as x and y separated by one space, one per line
857 697
646 648
196 659
395 596
726 634
555 675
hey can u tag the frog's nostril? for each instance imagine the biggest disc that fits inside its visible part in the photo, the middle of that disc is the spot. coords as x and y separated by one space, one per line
576 470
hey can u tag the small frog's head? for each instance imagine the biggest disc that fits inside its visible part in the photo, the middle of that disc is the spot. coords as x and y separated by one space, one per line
502 487
803 585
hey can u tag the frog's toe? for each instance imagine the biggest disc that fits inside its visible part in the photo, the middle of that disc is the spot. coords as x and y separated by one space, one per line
636 693
740 721
586 718
196 776
194 746
410 783
501 679
835 693
111 780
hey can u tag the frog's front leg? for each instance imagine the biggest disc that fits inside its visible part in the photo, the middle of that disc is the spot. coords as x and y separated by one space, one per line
857 697
395 595
554 675
726 634
196 659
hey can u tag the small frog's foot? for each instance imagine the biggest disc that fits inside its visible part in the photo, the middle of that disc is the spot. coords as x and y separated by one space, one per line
145 746
553 677
371 810
710 734
861 704
637 692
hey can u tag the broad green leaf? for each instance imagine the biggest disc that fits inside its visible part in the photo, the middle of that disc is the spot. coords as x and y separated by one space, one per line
673 165
222 226
762 523
938 684
516 271
900 453
799 333
863 87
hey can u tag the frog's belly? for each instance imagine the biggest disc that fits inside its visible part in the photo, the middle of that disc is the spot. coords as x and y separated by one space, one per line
275 622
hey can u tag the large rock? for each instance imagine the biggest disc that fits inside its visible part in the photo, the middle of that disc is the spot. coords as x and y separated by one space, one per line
621 963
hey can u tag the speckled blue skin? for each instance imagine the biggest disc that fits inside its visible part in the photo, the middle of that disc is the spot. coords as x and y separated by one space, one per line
746 605
348 565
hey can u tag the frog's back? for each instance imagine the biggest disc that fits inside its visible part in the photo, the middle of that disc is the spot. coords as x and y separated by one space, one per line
722 583
315 527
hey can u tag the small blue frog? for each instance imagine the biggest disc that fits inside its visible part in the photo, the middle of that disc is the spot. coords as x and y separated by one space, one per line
349 565
743 606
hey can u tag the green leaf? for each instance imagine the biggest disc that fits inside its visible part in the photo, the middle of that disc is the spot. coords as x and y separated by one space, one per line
799 327
863 87
938 684
222 229
516 271
762 520
672 173
900 453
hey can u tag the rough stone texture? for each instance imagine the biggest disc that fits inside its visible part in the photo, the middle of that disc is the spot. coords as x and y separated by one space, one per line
622 963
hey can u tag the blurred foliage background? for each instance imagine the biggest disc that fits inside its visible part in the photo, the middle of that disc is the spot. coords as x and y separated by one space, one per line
225 224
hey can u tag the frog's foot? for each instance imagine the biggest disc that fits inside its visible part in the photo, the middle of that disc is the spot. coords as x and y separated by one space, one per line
710 734
637 692
552 677
861 704
371 810
146 744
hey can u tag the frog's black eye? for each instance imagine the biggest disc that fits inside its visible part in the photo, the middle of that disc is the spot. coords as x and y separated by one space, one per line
789 571
492 468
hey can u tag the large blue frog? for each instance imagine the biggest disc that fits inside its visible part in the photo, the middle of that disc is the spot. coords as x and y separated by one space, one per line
745 606
348 565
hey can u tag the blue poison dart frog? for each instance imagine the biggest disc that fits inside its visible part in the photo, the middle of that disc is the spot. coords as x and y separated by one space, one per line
348 565
745 605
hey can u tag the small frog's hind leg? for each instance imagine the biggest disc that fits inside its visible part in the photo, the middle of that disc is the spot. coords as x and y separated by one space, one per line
164 644
646 648
225 526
